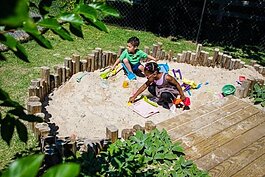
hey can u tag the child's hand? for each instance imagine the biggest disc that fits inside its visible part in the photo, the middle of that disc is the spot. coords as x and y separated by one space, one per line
131 99
182 97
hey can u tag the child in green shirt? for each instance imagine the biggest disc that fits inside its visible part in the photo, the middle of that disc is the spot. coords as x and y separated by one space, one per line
132 56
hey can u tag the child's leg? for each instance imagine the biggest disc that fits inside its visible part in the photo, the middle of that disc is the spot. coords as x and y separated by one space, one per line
141 67
127 64
165 99
152 89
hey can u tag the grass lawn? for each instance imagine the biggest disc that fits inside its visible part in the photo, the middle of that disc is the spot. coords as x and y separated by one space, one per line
15 75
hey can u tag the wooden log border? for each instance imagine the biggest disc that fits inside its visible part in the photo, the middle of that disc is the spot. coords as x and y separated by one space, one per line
40 88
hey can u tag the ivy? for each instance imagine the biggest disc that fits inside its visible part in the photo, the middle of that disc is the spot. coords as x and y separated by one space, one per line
151 154
258 94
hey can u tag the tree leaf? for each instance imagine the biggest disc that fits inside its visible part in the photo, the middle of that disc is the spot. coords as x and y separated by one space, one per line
87 11
13 45
3 95
56 28
63 33
106 9
100 25
22 131
63 170
21 53
31 28
76 30
25 167
22 115
170 156
13 13
159 156
71 18
7 128
9 41
258 100
50 23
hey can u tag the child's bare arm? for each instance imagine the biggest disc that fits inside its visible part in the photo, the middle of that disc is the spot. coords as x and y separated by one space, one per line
139 91
172 80
150 57
115 64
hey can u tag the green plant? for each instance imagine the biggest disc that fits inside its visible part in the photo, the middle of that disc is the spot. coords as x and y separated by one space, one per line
151 154
258 94
29 167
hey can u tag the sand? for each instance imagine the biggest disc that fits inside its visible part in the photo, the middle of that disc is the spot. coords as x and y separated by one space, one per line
85 108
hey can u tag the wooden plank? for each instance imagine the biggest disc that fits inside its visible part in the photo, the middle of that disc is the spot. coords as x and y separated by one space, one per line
239 160
222 153
206 119
187 116
216 127
255 169
223 137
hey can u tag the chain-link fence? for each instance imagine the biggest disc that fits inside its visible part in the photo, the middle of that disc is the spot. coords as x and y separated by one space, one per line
227 22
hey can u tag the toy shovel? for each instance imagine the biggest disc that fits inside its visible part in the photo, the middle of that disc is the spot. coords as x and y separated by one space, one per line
130 75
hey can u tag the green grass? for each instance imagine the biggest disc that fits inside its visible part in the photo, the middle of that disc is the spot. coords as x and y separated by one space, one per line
15 75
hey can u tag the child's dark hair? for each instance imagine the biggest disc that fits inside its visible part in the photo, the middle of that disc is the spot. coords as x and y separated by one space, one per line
151 67
134 41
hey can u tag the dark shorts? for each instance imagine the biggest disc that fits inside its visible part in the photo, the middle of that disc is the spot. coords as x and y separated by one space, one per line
135 67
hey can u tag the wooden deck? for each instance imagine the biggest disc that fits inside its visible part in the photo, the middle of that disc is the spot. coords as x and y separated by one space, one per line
226 137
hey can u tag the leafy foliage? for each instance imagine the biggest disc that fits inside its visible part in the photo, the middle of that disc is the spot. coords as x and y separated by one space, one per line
29 167
12 119
151 154
14 16
76 16
258 94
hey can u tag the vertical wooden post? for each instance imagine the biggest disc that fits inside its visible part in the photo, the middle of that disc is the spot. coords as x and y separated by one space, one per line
121 49
187 58
215 57
147 50
56 81
59 71
33 108
154 51
104 59
99 57
179 56
83 65
198 51
63 74
114 58
112 133
246 84
170 55
205 58
96 58
52 82
76 58
33 91
183 57
192 58
242 64
219 60
149 125
138 127
68 64
67 73
232 64
110 57
223 62
45 74
92 56
228 61
74 67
